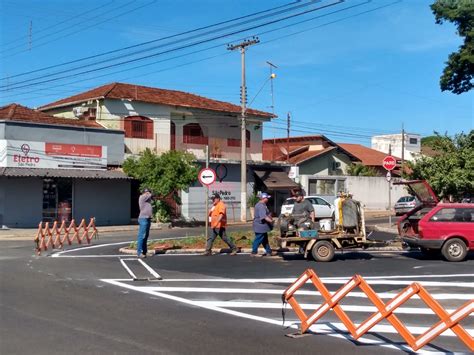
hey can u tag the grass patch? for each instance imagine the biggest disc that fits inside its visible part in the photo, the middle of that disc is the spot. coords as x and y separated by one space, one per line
242 239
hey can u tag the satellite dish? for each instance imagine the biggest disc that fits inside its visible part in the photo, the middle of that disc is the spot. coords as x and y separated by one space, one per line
283 150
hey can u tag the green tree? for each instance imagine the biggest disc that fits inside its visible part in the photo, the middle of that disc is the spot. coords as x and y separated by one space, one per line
458 74
428 141
361 170
451 171
164 174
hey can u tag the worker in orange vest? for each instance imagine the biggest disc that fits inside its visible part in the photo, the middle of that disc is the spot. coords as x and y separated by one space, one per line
218 219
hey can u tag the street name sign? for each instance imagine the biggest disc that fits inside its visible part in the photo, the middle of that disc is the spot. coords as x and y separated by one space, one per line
207 176
389 163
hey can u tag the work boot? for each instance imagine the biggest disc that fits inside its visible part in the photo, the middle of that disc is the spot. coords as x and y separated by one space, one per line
234 252
207 253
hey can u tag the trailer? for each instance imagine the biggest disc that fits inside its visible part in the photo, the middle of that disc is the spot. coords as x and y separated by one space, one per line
348 232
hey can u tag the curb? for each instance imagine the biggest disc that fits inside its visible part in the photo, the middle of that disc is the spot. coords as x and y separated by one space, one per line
248 251
196 251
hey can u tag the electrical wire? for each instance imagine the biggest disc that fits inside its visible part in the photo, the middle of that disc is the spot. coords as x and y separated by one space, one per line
174 49
53 26
152 41
208 48
88 27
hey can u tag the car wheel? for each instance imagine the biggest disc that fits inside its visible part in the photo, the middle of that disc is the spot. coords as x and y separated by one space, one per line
454 250
323 251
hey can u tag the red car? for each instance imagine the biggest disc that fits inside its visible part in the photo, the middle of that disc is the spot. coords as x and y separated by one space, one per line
434 226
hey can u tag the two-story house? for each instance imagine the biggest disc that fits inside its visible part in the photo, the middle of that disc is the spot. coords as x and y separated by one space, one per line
163 120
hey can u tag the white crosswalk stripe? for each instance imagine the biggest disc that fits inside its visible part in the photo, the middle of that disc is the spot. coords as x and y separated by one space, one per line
260 300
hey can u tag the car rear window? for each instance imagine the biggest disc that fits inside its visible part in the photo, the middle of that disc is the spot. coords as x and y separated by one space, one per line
406 199
454 215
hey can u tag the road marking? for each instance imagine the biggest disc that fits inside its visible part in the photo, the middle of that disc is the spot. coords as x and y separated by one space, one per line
291 280
327 328
313 306
59 254
385 295
90 256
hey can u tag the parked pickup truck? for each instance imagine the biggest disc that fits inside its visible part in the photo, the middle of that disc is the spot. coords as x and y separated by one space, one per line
437 227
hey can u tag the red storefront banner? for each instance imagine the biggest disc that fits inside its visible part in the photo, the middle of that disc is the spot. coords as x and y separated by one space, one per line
77 150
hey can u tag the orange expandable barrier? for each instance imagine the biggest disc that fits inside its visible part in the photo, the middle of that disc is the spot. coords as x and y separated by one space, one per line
385 311
56 235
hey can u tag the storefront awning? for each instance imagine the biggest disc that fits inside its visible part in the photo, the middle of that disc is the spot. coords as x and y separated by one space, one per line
276 180
63 173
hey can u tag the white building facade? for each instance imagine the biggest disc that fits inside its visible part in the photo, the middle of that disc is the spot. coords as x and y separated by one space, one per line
393 143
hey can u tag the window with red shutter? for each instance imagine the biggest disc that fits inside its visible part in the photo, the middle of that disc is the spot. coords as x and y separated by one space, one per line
138 127
192 134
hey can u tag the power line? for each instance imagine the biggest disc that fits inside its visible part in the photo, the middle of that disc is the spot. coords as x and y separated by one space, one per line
53 26
173 49
155 40
85 27
210 57
266 32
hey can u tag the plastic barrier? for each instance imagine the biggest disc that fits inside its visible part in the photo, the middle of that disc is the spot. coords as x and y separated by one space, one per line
58 234
385 311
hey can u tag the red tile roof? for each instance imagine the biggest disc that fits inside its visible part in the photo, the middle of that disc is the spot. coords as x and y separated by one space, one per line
368 156
152 95
15 112
310 154
298 139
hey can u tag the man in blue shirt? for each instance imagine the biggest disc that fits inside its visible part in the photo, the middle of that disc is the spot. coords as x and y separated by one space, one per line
144 221
262 224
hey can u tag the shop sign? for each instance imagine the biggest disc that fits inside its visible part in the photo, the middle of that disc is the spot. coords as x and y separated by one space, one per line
229 191
49 155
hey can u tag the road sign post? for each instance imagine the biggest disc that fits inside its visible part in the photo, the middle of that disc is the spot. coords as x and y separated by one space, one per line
389 163
207 176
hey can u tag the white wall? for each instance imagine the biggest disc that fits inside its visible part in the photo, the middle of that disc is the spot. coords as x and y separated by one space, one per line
383 143
194 200
371 191
215 125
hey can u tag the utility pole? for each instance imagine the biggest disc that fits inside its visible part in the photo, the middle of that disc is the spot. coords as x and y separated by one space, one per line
207 195
403 148
288 118
390 192
272 76
243 140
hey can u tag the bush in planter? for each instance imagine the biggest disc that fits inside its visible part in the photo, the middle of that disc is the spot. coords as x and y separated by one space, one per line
162 212
252 200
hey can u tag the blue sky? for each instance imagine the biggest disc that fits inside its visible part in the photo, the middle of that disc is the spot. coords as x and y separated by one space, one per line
348 75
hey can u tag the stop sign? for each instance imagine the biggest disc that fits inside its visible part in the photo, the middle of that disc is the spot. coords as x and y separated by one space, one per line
389 163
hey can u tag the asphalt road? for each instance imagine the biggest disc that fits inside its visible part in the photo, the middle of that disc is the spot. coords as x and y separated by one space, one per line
83 301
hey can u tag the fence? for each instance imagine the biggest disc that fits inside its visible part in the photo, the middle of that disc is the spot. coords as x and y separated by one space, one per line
385 311
58 234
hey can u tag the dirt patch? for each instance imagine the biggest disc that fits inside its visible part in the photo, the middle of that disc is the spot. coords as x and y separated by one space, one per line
242 239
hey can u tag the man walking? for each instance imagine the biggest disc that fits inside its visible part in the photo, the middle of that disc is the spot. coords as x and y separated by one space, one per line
144 221
262 224
218 216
